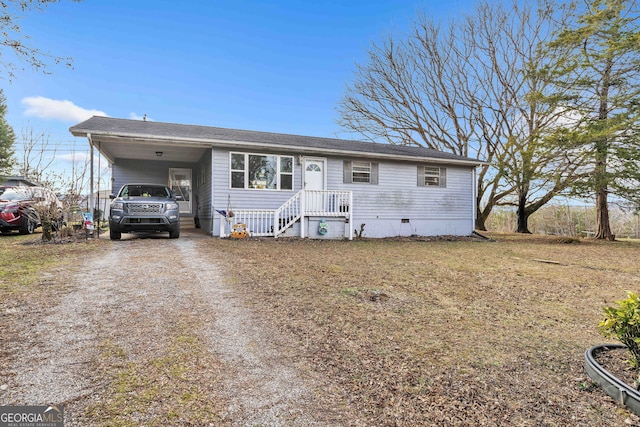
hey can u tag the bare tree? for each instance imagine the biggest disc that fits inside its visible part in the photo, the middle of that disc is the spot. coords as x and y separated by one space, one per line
13 41
472 89
37 157
38 162
533 160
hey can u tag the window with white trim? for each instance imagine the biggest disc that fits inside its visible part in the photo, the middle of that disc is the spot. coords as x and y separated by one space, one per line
261 171
361 171
432 176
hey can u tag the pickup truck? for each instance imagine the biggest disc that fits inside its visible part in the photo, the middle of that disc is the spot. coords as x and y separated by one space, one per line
144 208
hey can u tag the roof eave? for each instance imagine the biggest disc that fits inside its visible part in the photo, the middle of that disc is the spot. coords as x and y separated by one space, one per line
303 149
345 152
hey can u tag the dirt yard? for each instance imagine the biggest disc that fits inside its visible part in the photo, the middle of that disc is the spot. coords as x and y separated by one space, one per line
207 332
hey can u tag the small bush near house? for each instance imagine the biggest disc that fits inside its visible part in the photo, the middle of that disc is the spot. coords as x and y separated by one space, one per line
51 219
623 322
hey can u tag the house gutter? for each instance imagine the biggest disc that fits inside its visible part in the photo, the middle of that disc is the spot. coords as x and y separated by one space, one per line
211 207
303 149
474 198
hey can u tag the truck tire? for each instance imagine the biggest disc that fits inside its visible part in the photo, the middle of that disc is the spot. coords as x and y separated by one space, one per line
175 233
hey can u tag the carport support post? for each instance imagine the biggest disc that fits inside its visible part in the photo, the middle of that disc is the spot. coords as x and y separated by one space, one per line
91 195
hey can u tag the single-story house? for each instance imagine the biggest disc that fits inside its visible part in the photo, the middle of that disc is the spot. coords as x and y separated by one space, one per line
17 181
291 185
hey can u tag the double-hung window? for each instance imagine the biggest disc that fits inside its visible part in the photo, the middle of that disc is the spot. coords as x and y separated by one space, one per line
261 171
356 171
361 171
432 176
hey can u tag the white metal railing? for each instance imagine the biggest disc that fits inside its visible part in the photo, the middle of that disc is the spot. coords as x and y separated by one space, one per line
264 222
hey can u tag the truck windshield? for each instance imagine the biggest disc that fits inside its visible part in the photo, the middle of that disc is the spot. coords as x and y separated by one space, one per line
144 191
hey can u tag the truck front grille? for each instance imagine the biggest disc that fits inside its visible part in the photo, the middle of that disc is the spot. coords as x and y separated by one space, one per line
144 208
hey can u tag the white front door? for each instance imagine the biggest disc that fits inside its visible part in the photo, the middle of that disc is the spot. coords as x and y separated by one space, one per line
315 179
180 183
314 175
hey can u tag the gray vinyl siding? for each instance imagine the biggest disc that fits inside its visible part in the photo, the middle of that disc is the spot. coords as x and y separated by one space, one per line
381 205
126 171
237 198
397 195
202 190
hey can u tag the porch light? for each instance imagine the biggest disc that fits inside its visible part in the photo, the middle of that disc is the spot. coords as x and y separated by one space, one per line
159 153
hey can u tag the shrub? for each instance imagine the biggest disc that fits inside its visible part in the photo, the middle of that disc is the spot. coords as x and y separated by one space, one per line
623 322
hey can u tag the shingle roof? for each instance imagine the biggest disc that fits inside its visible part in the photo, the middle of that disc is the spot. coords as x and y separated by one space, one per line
98 125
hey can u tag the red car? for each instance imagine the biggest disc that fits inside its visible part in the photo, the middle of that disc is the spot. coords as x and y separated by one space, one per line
20 208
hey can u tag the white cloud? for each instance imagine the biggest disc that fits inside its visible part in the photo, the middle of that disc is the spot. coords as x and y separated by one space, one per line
67 111
134 116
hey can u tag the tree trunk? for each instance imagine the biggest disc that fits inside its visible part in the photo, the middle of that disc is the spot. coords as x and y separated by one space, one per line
603 228
481 223
46 231
481 216
523 216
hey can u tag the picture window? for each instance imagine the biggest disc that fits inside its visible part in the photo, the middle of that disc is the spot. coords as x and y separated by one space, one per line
261 171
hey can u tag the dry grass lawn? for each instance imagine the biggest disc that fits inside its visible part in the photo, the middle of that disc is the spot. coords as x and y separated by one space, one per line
407 332
440 332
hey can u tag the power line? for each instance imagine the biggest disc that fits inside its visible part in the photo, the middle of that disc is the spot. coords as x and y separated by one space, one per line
47 144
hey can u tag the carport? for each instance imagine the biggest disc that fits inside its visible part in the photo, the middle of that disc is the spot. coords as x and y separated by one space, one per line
145 157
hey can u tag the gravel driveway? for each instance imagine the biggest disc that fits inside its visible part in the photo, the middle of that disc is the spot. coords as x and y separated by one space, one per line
131 296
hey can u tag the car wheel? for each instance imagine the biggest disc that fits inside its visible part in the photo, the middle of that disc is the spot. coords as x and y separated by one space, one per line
174 234
28 227
114 235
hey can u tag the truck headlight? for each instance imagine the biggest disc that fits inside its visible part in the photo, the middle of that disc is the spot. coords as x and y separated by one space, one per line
117 206
171 206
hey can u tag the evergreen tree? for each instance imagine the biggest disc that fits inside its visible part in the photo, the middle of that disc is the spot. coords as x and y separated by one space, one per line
598 57
7 138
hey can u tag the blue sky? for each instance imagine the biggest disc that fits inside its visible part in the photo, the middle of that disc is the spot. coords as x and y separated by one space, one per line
278 66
